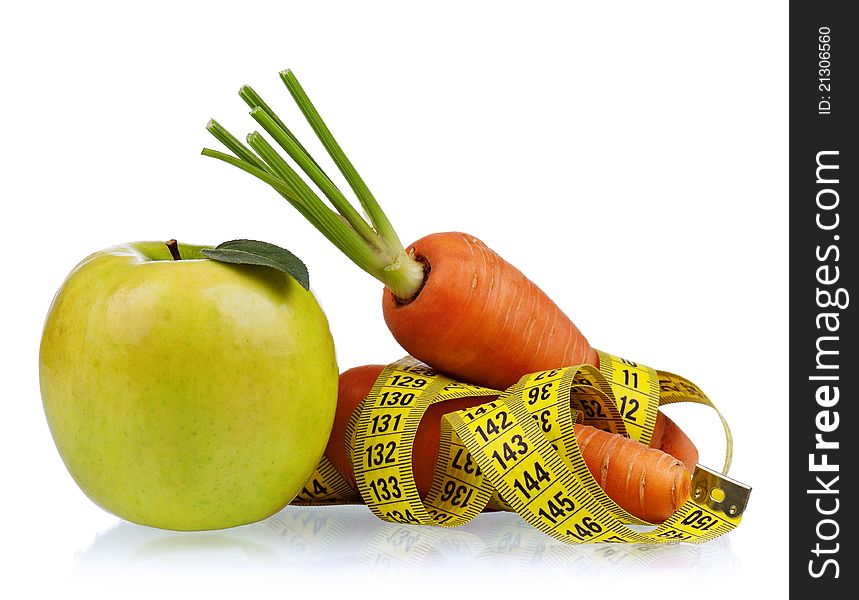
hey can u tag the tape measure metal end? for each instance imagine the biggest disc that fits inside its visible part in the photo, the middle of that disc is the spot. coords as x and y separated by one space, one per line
720 492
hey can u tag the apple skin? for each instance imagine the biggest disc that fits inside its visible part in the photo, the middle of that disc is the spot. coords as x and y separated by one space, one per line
189 394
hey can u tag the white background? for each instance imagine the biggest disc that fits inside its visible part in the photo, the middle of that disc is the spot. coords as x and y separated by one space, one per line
629 157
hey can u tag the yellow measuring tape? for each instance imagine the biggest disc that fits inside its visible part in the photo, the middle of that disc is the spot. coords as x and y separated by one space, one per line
518 452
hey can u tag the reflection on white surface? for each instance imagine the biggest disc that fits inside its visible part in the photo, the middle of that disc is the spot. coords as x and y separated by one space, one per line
351 538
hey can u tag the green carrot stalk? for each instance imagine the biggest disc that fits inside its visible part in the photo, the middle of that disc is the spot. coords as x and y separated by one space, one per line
370 243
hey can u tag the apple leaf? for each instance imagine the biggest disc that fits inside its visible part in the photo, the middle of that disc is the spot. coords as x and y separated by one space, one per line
252 252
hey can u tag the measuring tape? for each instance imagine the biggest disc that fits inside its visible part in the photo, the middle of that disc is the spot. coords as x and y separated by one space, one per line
518 452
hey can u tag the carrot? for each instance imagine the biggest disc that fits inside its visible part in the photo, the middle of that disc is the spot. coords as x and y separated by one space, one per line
355 384
668 437
643 481
450 301
479 319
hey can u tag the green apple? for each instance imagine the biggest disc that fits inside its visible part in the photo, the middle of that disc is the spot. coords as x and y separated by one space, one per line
186 394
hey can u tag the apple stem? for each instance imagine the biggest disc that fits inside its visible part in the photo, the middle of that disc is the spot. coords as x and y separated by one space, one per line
173 246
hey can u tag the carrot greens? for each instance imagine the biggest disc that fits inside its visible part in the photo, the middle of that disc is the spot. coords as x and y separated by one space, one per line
370 243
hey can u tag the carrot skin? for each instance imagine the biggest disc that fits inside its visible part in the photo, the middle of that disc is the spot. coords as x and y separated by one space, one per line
668 437
479 319
644 481
355 384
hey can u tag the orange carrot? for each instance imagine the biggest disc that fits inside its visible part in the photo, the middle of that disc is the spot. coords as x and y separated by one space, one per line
355 384
668 437
450 301
480 320
643 481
